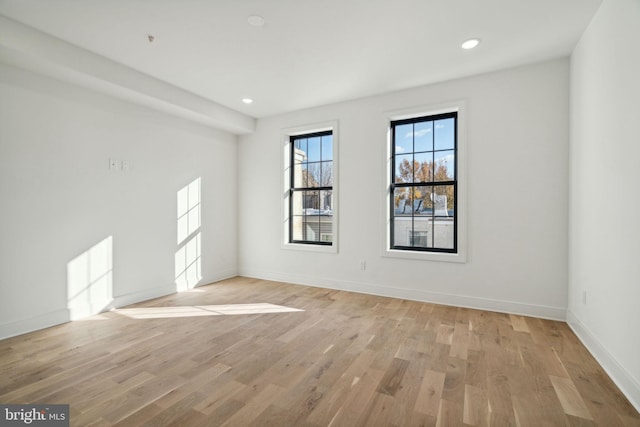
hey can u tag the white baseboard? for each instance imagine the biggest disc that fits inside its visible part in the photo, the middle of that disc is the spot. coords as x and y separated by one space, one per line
31 324
58 317
629 386
220 275
134 297
545 312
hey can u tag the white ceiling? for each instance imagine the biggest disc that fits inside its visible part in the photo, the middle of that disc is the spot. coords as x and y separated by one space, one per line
309 52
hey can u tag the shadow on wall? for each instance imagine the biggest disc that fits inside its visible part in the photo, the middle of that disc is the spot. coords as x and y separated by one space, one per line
90 280
187 259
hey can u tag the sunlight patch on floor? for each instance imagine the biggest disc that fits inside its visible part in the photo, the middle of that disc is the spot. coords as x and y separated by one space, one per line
203 310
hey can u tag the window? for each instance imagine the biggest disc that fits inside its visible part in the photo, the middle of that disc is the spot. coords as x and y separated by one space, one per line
424 185
310 192
417 238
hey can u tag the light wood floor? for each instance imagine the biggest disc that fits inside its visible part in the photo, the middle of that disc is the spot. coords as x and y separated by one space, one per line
346 360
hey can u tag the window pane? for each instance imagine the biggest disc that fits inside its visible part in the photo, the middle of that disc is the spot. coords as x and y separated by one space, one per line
423 136
420 237
299 174
404 168
313 149
402 226
298 225
424 167
402 201
297 203
305 218
297 218
326 202
311 202
443 233
324 232
444 134
312 175
311 228
301 148
327 147
443 200
404 139
445 164
327 174
421 201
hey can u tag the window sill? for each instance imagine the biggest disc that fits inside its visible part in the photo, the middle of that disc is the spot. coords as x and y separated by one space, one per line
425 256
333 249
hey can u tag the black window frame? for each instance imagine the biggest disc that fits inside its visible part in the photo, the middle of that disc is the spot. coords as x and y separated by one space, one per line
394 185
293 189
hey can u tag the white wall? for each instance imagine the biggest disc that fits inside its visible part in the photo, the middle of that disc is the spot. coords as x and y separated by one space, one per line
58 198
605 198
517 191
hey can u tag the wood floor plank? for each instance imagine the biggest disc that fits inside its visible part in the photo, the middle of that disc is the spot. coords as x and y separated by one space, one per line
475 408
255 406
570 398
428 401
377 412
393 377
450 414
476 371
326 410
519 323
407 394
453 389
353 407
345 360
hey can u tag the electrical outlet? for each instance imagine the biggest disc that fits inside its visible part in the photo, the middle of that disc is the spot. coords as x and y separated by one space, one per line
126 166
363 265
584 297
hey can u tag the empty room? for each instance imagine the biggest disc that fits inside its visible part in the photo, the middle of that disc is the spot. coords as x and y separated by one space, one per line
319 213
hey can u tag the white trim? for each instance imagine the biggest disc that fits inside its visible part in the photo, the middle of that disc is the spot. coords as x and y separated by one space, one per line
59 317
310 248
627 384
134 297
511 307
35 323
284 168
219 276
460 107
120 301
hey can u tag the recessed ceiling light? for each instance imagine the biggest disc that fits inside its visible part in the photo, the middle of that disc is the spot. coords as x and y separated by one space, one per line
470 44
247 100
255 20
